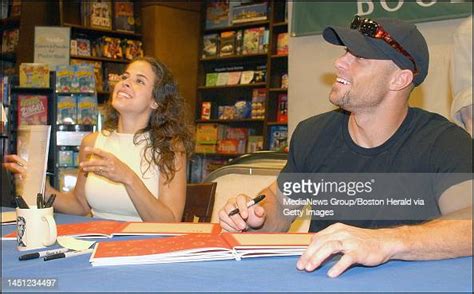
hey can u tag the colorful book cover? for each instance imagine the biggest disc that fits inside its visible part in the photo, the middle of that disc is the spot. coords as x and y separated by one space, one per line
10 40
124 16
211 79
133 49
98 72
227 43
249 13
217 14
222 78
251 41
34 75
282 109
87 110
32 110
64 77
15 9
83 47
206 110
67 110
100 14
258 103
254 144
278 138
282 44
84 73
112 48
247 77
234 78
209 45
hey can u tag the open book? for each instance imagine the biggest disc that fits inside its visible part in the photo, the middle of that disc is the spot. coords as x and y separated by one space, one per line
108 229
199 247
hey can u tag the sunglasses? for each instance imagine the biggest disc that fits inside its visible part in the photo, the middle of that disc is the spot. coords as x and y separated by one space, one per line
374 30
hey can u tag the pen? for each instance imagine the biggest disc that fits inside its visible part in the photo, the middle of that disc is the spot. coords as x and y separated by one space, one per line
50 201
43 253
67 254
250 203
20 202
39 201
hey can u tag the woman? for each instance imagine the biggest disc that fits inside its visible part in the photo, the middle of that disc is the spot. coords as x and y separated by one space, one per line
135 169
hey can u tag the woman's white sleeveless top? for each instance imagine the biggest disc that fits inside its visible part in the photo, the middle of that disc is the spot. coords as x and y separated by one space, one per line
109 199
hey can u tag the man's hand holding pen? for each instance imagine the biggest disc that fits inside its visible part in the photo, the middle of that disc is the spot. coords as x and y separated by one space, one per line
242 213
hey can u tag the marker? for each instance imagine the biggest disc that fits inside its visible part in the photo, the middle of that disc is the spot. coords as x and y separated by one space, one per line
50 201
67 254
249 204
39 201
42 253
20 202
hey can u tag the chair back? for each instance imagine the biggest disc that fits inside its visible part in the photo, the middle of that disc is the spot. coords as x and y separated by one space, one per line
199 202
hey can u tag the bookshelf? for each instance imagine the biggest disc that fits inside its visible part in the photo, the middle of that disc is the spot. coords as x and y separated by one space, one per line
76 15
268 65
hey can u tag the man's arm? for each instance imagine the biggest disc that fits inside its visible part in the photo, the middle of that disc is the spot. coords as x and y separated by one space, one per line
266 217
446 237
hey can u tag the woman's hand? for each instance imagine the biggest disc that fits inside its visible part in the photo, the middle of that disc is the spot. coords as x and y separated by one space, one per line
107 165
16 165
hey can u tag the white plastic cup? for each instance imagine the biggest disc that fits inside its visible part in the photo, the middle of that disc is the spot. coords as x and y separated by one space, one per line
36 228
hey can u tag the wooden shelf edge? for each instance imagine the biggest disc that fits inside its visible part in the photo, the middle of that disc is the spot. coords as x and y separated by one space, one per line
233 86
237 26
233 57
102 31
104 59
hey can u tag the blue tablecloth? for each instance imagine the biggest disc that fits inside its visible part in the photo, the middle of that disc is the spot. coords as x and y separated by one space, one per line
258 274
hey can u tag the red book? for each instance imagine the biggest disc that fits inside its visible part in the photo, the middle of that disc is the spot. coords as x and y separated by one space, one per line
282 111
32 110
199 247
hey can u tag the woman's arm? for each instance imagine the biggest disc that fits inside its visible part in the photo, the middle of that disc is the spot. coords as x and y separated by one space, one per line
172 196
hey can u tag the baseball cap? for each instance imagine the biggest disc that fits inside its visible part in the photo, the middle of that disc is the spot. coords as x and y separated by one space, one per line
405 34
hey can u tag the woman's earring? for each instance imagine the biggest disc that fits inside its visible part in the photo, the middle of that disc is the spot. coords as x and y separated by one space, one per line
154 105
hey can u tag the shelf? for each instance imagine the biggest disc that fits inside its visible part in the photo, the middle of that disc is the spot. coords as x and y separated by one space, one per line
219 154
279 90
280 24
234 57
255 85
102 31
280 56
243 120
95 58
8 56
16 89
277 123
238 26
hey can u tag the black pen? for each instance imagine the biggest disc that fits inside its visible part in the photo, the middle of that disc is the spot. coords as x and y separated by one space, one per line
249 204
42 253
50 201
39 201
67 254
20 202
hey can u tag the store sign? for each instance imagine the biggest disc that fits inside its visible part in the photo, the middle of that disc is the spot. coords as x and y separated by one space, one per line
312 17
52 45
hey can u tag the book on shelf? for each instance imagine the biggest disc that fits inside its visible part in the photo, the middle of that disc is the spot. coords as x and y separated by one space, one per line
222 79
87 109
254 144
206 110
199 247
210 45
10 40
211 79
33 147
109 229
207 133
226 112
133 49
98 72
247 77
278 138
124 19
243 109
282 108
234 78
282 44
205 148
34 75
217 14
284 81
100 14
15 9
32 110
84 79
112 48
66 109
83 47
251 40
249 13
227 43
65 156
258 103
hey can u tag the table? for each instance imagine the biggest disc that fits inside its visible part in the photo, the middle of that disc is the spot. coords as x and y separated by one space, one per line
257 274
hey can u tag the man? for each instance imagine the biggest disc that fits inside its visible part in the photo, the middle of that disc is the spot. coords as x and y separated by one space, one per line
375 131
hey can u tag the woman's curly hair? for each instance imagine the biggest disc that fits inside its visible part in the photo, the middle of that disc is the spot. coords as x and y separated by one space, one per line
169 128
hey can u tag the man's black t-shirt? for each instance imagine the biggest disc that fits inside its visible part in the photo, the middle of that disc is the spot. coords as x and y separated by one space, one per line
424 143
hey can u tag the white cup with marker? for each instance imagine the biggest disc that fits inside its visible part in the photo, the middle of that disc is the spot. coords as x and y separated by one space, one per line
36 228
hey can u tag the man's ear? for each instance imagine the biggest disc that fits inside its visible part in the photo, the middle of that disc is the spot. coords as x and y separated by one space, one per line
401 79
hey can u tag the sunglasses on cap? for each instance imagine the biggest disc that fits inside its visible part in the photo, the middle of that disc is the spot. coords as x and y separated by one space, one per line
374 30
